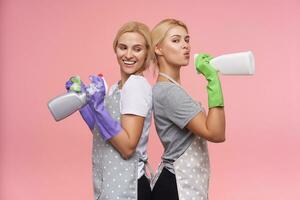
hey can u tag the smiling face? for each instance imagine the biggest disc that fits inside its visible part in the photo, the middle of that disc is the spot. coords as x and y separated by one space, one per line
131 53
175 48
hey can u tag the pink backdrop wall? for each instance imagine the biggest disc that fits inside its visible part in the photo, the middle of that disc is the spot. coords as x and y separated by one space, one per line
43 42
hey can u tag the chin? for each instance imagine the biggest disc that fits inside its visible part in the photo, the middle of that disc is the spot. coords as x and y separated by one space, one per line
129 71
185 64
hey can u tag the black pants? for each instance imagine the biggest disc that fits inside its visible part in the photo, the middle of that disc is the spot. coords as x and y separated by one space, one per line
165 187
144 190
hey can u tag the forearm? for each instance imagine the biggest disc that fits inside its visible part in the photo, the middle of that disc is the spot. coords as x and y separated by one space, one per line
215 124
211 127
123 144
127 139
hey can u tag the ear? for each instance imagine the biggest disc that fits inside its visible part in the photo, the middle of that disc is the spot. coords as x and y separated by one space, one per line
158 51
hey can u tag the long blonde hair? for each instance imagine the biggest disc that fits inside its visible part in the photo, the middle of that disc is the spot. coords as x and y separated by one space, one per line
159 32
137 27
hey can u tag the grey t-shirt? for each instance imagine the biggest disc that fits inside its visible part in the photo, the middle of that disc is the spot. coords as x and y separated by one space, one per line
173 108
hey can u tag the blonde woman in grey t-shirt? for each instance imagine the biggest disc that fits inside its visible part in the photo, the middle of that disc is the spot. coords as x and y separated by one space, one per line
181 122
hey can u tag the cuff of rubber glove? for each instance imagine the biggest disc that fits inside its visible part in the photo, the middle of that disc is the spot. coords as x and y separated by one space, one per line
214 105
216 100
109 132
88 116
108 127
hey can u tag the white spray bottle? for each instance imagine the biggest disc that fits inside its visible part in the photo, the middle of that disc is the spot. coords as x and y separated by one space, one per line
65 105
241 63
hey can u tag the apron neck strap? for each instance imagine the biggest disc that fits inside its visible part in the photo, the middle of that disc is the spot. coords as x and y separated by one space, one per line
170 79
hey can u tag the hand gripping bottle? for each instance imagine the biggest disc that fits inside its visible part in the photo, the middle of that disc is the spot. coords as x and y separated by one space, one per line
65 105
241 63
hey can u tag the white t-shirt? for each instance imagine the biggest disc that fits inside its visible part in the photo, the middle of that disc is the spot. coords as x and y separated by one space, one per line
136 99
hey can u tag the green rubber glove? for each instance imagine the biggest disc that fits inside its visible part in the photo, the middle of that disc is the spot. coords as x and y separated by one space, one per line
214 89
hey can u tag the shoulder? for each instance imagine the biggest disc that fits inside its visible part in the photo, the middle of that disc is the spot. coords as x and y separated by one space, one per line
136 96
137 83
136 79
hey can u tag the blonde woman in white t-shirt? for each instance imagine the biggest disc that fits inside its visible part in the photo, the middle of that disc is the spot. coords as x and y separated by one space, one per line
120 120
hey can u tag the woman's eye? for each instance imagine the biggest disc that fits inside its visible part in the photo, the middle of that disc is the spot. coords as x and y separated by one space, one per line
122 47
138 49
175 40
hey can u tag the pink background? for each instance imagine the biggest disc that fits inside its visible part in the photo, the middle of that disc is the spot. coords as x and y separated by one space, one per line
43 42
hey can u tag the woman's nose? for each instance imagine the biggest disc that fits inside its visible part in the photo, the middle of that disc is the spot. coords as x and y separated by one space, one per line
129 54
185 45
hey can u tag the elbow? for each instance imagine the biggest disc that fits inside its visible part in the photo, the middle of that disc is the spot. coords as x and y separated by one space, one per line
126 154
218 138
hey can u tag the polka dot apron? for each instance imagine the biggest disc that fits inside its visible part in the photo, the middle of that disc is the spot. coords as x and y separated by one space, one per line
113 177
192 169
192 172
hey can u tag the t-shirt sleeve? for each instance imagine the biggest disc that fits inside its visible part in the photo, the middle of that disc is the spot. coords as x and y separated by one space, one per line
136 96
180 108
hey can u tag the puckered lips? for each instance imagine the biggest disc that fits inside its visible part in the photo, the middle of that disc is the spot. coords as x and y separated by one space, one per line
187 54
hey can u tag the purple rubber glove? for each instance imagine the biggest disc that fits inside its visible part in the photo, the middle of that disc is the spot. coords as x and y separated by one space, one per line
108 127
86 111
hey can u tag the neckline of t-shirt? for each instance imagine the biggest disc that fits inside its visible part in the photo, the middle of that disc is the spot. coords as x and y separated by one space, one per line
116 86
163 83
166 83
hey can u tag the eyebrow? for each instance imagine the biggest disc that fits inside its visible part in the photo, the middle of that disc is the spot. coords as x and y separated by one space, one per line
142 45
179 36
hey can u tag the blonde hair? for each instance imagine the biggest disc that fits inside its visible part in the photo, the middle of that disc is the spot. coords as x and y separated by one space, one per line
159 32
137 27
